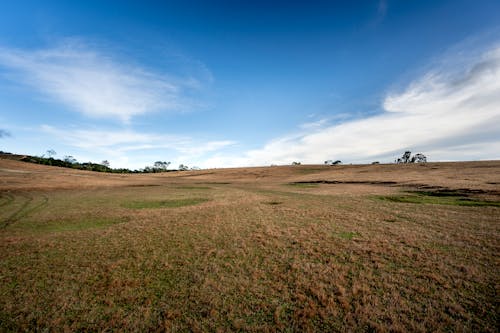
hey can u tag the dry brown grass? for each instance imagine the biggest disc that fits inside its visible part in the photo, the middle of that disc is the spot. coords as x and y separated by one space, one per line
248 249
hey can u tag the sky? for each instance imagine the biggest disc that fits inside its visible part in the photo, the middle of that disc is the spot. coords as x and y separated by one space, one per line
218 84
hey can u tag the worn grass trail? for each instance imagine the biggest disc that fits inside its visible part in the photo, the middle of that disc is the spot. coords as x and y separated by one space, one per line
218 255
16 207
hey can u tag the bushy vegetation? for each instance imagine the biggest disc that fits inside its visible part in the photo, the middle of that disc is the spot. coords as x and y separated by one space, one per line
70 162
104 166
408 158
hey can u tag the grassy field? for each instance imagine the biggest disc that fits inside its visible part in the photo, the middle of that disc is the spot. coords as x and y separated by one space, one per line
289 249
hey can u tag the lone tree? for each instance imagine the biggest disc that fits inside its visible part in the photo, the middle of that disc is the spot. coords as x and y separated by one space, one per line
51 153
105 163
161 166
332 162
407 158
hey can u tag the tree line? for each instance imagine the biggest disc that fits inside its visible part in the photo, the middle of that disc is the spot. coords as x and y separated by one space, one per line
69 161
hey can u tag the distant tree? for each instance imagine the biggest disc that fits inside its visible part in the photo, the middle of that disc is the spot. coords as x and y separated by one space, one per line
419 158
69 159
183 167
161 166
332 162
51 153
407 158
195 168
376 162
105 163
296 163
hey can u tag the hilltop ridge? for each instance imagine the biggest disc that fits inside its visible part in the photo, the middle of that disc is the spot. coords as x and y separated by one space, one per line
471 175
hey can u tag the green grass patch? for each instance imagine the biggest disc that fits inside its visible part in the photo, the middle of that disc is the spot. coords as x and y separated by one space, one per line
438 198
303 185
348 234
193 188
442 193
171 203
67 225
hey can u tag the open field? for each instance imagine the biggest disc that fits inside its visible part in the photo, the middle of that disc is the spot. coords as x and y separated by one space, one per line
292 249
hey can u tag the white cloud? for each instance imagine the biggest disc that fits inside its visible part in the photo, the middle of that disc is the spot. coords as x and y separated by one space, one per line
449 113
119 140
314 124
131 149
92 83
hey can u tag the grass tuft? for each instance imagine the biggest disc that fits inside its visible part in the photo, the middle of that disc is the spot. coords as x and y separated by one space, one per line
193 188
303 185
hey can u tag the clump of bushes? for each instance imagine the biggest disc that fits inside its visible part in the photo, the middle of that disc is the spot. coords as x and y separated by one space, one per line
408 158
71 162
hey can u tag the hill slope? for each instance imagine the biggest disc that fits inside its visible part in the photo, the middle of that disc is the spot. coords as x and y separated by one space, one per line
302 248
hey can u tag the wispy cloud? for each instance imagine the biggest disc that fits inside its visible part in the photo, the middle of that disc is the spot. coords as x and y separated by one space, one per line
382 9
314 124
448 113
93 83
127 148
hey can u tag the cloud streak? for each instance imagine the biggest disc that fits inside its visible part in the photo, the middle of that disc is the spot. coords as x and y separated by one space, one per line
120 145
92 83
448 113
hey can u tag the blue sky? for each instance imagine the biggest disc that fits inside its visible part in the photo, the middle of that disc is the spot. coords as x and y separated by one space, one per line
229 83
